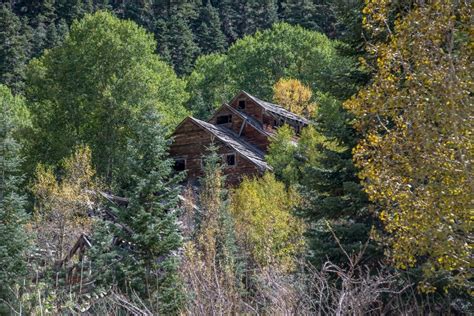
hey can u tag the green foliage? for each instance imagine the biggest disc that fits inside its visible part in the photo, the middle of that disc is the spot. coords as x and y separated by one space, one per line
320 166
208 85
14 242
209 34
144 259
300 12
216 235
14 48
90 88
281 153
265 226
257 62
181 45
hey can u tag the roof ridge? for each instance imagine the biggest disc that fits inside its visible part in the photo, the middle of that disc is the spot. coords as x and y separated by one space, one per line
275 108
248 151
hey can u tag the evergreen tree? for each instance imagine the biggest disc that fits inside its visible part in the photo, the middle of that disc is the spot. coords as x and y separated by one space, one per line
141 12
230 17
71 10
209 34
162 40
45 33
14 48
300 12
13 237
321 168
267 13
145 259
182 48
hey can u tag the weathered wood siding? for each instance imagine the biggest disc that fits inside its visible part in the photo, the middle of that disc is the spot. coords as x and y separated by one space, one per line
191 143
249 133
251 108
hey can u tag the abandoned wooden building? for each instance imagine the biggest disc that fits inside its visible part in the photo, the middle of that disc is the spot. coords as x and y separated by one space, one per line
241 130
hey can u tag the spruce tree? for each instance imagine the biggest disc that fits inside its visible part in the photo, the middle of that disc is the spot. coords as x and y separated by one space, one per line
45 33
300 12
182 48
267 13
162 40
148 232
209 34
141 12
228 12
14 48
13 217
321 167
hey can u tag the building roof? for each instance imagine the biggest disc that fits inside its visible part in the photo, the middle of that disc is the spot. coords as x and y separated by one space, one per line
256 124
275 109
228 137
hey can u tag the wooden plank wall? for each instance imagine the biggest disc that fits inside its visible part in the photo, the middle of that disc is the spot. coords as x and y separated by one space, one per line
192 142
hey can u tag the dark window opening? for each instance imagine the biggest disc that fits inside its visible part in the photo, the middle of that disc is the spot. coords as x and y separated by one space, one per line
179 164
230 159
224 119
242 104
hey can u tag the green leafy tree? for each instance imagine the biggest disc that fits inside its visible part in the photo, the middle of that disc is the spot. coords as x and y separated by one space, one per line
145 258
91 87
266 228
13 217
255 63
208 85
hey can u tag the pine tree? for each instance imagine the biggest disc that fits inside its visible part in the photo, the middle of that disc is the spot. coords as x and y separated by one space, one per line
230 17
300 12
13 217
182 48
209 34
45 32
141 12
148 244
321 167
14 48
267 14
71 10
162 40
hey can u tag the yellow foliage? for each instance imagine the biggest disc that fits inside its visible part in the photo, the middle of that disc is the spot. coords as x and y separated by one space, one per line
265 226
416 157
294 96
61 206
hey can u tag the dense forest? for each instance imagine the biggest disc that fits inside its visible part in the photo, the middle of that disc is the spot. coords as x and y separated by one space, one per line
367 210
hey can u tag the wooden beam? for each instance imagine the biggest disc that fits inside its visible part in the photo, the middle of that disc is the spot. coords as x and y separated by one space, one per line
242 127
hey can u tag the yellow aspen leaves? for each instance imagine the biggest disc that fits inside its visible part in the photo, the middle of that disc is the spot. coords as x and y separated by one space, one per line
417 154
294 96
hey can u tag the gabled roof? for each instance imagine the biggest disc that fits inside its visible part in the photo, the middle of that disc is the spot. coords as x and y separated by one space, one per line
274 108
256 124
229 138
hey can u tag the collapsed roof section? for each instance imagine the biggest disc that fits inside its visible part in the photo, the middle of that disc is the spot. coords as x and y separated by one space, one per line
229 138
274 109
